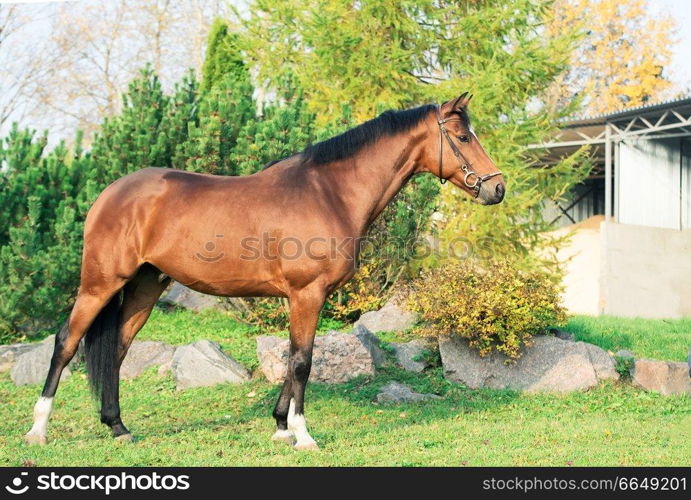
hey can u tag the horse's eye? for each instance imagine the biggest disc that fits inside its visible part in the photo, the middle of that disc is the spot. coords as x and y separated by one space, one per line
464 138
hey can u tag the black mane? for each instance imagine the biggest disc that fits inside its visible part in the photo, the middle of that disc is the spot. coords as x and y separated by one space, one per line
353 140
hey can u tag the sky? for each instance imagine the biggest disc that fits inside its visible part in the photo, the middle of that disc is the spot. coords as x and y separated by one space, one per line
680 70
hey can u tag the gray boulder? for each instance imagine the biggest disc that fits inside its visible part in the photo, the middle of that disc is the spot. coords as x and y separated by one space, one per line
395 392
371 343
548 365
32 366
603 364
143 354
273 357
408 355
336 358
181 296
665 377
625 354
10 353
203 364
390 318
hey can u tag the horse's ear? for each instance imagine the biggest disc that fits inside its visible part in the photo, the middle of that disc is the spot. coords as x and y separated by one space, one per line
457 104
462 101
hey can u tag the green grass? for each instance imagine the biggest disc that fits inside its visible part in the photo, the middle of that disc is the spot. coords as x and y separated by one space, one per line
613 424
663 339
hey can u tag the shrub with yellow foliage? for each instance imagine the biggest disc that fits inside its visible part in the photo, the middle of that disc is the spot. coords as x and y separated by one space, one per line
498 307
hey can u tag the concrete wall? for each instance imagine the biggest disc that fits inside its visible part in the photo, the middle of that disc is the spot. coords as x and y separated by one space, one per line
645 271
581 256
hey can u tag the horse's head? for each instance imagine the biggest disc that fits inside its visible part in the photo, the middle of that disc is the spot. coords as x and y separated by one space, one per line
455 154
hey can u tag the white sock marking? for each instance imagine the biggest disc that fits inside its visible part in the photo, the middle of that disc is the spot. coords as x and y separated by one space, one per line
42 410
298 426
282 435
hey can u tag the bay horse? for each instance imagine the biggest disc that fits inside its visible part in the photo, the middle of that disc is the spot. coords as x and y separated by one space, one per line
158 224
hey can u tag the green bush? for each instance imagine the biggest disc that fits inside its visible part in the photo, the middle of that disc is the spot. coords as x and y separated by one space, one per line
45 195
498 307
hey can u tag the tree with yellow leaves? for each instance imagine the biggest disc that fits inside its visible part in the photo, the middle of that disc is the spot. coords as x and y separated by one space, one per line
621 60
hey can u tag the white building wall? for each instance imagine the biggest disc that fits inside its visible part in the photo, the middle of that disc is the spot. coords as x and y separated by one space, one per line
650 183
686 183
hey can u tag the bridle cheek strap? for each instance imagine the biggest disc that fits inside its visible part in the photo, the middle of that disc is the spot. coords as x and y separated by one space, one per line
471 179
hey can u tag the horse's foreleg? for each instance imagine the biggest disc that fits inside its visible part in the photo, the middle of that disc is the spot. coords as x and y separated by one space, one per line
304 313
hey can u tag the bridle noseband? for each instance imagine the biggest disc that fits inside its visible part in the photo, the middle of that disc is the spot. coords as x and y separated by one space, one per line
465 165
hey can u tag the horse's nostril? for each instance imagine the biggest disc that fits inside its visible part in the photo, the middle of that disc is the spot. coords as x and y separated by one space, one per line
500 190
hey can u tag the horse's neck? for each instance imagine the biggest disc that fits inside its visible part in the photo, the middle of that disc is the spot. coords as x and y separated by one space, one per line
371 179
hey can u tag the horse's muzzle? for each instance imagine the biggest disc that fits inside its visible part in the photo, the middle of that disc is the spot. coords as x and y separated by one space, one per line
492 193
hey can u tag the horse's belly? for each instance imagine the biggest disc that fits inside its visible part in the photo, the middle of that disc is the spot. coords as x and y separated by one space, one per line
227 276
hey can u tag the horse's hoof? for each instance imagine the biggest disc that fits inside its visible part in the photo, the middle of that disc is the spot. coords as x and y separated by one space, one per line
283 436
124 438
36 438
306 446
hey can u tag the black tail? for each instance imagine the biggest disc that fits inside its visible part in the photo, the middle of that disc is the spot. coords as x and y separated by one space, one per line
101 346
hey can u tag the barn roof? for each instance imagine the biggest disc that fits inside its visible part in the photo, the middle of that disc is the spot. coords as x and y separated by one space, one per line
644 110
652 121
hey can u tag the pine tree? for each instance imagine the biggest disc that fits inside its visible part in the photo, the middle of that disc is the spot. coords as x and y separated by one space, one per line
285 129
222 57
225 107
223 112
41 247
45 196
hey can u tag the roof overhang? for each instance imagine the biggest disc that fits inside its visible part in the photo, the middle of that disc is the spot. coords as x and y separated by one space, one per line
657 121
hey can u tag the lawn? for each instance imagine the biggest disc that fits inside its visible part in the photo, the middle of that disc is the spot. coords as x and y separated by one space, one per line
666 339
614 424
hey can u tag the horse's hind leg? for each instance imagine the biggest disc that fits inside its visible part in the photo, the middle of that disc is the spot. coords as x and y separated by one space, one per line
139 297
86 308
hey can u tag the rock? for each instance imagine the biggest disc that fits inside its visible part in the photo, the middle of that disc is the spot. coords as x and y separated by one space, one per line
32 366
390 318
143 354
272 353
409 355
665 377
337 358
548 365
395 392
203 364
624 354
371 343
603 364
562 334
10 353
165 368
181 296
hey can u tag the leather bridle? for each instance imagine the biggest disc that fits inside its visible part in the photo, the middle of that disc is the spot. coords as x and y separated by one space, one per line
465 165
